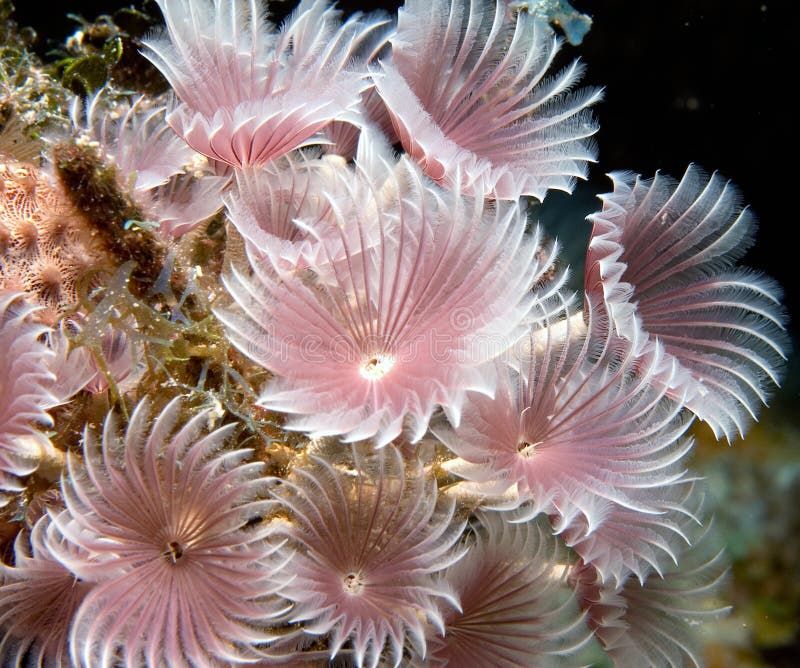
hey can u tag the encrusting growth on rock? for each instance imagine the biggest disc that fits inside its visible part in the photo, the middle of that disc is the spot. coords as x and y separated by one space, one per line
46 247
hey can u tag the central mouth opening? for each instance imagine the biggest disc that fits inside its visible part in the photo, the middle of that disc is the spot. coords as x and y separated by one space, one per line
376 367
353 583
526 449
174 551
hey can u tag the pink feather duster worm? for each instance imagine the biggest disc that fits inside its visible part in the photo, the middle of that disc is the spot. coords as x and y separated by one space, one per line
39 596
663 254
514 605
584 433
25 391
467 93
163 514
152 163
654 623
248 93
281 209
369 536
420 290
134 137
276 207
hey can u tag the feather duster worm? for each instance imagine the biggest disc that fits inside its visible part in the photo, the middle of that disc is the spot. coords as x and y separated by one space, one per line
580 432
514 606
134 137
369 534
38 599
25 383
281 209
275 208
654 623
419 293
467 93
162 514
665 252
244 89
152 163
